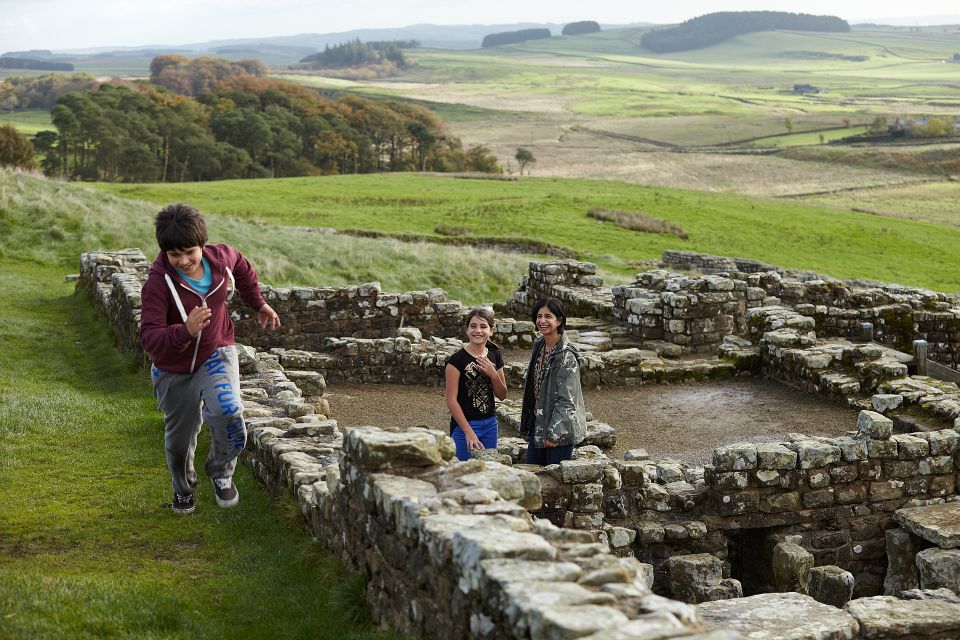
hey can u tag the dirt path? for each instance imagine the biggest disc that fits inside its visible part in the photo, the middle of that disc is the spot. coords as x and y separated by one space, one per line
681 421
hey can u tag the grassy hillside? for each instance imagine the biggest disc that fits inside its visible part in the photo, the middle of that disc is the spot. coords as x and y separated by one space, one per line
838 243
50 222
601 106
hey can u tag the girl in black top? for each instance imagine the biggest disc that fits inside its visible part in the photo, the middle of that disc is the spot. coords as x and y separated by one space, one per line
474 375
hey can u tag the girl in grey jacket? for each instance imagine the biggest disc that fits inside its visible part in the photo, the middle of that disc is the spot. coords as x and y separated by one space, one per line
553 418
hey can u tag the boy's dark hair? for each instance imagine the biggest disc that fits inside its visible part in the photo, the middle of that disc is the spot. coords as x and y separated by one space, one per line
180 226
555 307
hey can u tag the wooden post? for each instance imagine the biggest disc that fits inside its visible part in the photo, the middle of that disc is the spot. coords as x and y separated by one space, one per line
866 332
920 356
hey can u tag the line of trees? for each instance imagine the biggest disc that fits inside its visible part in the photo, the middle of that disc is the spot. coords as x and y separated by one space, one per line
188 77
42 92
246 127
358 54
580 28
30 63
513 37
714 28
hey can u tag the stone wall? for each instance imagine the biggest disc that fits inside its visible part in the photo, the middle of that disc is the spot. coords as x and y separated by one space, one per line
485 569
573 283
833 496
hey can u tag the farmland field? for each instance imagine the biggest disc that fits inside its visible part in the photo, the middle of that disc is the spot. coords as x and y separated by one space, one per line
600 106
28 122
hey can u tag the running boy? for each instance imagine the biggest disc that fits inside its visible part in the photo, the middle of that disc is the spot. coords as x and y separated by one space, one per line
186 329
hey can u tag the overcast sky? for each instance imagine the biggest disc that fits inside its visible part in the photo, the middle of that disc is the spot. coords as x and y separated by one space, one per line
71 24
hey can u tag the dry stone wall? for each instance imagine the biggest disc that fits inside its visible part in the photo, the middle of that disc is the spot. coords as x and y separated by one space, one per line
609 539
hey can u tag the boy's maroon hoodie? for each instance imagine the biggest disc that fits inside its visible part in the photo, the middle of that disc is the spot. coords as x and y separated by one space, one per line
163 332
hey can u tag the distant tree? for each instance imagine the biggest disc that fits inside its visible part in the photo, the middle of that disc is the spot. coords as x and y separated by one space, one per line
480 159
878 126
788 123
514 37
823 138
15 149
580 28
846 122
936 127
524 157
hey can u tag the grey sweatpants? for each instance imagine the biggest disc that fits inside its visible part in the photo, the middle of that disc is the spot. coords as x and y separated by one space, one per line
210 394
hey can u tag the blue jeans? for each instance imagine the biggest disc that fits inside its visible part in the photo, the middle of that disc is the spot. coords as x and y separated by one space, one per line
548 455
486 430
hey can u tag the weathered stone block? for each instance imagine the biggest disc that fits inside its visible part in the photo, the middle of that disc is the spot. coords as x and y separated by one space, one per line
852 449
819 498
650 533
883 617
812 454
738 503
376 450
791 562
902 573
735 457
818 478
884 449
780 502
779 616
690 571
944 442
771 456
842 473
731 481
871 424
581 470
938 523
939 568
910 447
884 402
830 585
587 497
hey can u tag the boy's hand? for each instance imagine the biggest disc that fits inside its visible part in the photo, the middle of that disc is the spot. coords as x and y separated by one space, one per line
268 317
198 320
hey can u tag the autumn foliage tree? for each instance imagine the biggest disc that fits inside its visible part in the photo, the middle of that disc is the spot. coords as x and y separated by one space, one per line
193 126
15 149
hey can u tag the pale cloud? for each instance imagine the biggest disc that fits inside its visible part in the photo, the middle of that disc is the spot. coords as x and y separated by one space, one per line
72 24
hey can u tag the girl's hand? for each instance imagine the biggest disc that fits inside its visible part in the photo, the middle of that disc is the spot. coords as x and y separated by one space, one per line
268 317
487 366
198 320
473 442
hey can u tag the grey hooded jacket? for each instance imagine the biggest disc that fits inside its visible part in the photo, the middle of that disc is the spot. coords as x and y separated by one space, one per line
562 417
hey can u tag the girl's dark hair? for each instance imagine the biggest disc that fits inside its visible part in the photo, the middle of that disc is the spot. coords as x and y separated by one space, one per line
180 226
555 307
484 314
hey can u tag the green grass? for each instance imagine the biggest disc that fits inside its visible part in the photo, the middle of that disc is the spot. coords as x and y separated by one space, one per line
831 241
88 545
52 222
28 122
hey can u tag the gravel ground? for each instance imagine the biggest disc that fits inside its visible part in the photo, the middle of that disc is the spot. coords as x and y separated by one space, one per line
683 421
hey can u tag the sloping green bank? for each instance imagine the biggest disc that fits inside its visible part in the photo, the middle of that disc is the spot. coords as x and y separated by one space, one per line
834 242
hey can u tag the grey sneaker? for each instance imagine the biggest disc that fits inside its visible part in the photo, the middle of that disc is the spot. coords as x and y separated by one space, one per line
183 504
227 494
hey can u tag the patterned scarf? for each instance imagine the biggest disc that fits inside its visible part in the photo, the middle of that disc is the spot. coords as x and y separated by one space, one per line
540 369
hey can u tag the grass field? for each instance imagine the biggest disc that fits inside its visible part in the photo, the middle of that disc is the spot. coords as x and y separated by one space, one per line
28 122
835 242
